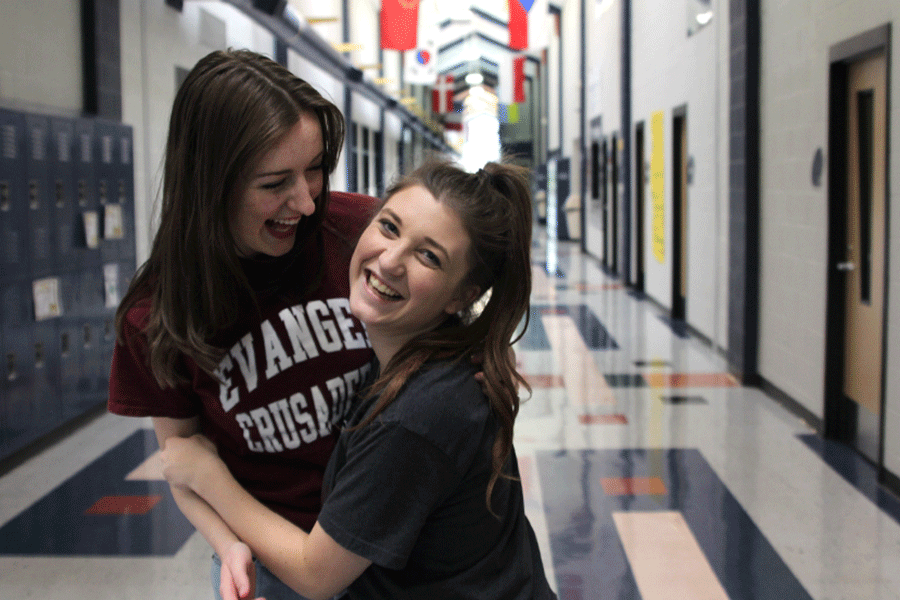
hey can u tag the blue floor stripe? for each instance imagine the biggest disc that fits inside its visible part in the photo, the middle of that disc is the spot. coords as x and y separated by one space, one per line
57 524
588 556
595 335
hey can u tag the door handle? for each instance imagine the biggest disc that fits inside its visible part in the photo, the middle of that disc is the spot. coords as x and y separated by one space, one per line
846 266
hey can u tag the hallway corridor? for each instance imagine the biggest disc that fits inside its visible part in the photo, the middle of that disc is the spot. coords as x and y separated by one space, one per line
649 473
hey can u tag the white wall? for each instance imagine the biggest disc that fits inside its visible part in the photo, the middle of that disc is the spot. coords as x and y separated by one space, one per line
330 28
392 133
796 39
37 68
671 70
553 138
604 97
364 25
570 30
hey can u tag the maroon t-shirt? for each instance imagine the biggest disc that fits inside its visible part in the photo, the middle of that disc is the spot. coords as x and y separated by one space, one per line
287 378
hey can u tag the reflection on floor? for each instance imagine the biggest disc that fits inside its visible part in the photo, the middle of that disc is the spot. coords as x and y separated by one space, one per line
649 472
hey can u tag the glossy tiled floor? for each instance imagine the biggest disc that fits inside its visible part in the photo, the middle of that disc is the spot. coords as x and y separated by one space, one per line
649 473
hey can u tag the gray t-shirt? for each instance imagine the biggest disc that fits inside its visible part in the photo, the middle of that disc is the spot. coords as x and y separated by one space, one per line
408 493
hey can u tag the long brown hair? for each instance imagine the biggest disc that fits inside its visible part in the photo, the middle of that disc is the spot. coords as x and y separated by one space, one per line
233 107
494 206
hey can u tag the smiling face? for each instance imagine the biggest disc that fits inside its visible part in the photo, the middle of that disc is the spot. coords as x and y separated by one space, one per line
280 191
407 271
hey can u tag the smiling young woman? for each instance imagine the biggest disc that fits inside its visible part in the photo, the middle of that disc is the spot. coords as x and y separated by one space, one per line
252 251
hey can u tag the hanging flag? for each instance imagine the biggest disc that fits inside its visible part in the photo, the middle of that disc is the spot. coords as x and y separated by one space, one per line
442 95
518 79
518 23
399 24
420 65
527 24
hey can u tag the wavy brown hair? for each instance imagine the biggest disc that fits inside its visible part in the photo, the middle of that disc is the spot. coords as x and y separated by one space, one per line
494 206
232 108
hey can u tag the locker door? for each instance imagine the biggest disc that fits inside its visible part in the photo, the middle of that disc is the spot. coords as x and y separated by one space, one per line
3 374
87 207
41 229
13 207
70 360
94 366
126 190
64 192
19 415
48 414
106 140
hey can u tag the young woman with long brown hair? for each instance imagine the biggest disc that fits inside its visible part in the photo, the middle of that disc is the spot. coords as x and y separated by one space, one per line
238 325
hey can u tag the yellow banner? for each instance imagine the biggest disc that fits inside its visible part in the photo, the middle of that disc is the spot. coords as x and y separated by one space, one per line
658 184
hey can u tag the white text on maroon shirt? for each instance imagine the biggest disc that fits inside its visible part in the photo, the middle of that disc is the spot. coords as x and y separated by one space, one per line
300 333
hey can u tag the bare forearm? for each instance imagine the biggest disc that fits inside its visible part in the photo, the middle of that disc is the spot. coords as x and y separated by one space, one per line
205 519
277 542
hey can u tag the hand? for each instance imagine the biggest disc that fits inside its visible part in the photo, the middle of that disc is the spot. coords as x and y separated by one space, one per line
184 459
238 574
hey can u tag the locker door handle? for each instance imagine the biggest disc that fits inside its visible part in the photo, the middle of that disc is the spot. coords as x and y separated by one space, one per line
846 266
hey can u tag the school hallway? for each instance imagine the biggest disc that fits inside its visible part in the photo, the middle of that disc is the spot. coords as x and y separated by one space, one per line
649 473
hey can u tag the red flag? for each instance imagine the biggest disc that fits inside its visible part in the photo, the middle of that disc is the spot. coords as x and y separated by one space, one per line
399 24
442 95
518 25
519 79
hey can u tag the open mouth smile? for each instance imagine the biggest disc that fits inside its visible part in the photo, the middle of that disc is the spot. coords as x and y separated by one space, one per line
381 288
282 228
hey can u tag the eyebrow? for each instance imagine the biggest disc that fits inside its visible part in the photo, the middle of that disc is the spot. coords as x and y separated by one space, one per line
429 240
317 158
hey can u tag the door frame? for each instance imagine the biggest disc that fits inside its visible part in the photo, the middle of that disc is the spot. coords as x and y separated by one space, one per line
604 201
680 207
640 196
839 417
615 192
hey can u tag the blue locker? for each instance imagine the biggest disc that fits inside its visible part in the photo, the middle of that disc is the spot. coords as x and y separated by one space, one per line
14 260
64 196
3 374
45 356
86 188
41 229
126 189
107 174
127 270
91 297
106 329
19 415
70 347
94 368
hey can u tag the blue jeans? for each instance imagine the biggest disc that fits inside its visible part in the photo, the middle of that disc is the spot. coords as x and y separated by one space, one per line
267 585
